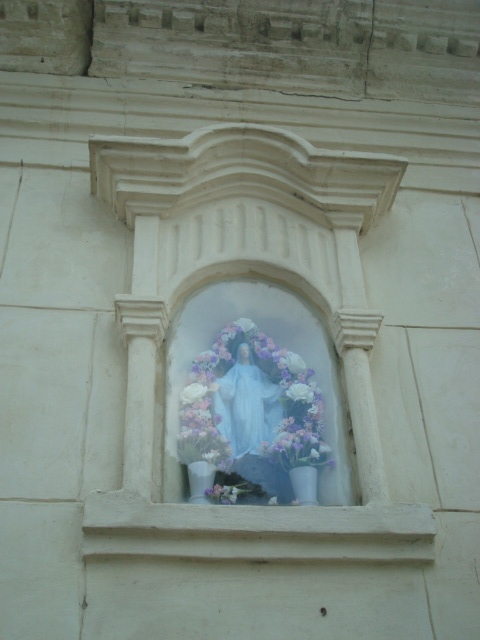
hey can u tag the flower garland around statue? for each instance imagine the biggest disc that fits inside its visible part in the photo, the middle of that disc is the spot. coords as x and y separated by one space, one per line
299 440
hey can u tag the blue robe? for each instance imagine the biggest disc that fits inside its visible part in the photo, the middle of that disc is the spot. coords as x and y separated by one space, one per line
248 402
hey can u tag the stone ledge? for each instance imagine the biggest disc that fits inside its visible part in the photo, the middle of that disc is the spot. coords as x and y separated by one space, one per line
118 524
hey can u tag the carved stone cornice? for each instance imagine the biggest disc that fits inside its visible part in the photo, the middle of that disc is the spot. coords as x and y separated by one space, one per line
349 48
148 176
141 317
355 329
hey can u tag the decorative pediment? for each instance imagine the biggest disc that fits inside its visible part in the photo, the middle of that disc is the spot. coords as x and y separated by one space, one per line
163 178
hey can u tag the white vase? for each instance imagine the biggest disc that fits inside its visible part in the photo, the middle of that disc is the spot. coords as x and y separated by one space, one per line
201 475
304 483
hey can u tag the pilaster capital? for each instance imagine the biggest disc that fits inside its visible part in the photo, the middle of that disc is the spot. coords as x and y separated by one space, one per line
346 220
355 328
144 316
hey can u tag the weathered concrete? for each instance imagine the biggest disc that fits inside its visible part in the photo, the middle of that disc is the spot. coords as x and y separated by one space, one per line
46 36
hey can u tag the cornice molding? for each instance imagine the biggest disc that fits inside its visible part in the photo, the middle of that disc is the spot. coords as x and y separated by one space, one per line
145 317
440 141
399 49
146 176
324 46
401 25
355 329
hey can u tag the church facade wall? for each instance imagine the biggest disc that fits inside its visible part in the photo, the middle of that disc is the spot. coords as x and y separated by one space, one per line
64 369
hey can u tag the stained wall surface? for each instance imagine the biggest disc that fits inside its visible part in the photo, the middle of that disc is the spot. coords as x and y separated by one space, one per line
63 257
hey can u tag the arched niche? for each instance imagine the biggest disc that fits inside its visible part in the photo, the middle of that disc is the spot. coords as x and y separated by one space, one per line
243 201
291 323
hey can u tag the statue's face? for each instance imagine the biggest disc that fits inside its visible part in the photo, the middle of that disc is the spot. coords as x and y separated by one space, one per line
244 351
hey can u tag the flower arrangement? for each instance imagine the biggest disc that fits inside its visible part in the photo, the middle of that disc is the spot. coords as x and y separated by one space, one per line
206 444
299 436
295 446
225 495
199 439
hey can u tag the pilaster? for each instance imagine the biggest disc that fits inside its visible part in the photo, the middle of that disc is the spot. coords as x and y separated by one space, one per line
142 322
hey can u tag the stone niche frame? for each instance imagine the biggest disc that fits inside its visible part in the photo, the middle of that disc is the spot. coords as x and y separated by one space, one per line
190 194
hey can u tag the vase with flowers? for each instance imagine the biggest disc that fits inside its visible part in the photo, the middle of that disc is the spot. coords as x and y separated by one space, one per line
200 445
301 452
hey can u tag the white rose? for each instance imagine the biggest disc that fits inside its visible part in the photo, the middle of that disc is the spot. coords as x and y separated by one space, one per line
300 391
193 392
324 448
314 454
246 324
294 362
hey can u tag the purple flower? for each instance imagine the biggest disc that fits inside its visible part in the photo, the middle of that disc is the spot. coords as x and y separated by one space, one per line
331 463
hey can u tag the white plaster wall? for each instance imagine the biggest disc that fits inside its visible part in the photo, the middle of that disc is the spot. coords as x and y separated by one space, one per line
64 250
62 390
42 577
213 601
430 270
62 393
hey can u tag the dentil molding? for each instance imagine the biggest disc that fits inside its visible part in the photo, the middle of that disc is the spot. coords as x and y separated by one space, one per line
380 48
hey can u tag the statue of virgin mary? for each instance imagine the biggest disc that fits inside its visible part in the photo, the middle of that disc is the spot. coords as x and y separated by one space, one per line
248 403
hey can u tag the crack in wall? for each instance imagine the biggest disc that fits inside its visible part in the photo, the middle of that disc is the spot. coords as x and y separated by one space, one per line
419 397
86 421
429 607
469 226
367 61
10 221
